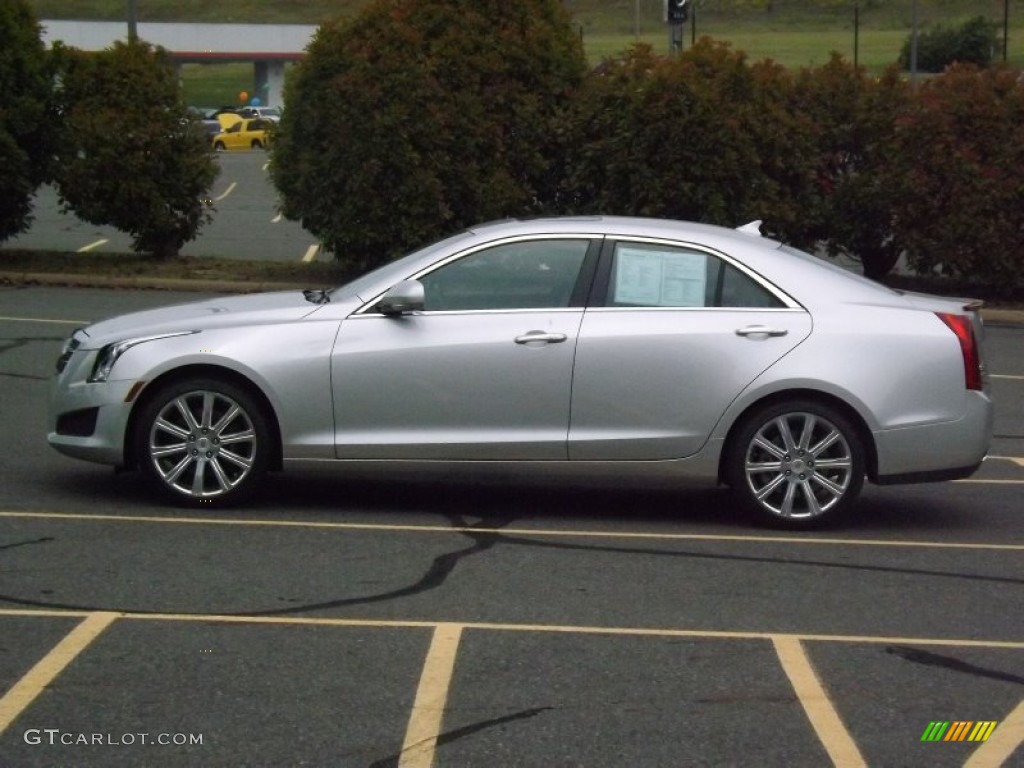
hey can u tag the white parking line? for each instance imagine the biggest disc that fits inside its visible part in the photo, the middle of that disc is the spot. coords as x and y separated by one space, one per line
1006 376
1018 460
277 219
310 253
90 246
228 191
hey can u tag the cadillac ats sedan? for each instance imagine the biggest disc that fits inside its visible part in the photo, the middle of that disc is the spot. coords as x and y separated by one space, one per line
600 345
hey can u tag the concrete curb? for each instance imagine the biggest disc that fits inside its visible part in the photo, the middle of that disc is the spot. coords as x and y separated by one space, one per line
992 316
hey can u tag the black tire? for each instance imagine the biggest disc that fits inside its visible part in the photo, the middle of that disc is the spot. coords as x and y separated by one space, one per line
797 464
219 146
203 441
257 144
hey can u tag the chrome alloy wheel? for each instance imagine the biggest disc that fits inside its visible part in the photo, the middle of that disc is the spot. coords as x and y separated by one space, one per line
799 465
202 444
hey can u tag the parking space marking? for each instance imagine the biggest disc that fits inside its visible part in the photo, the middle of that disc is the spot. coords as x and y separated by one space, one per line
41 320
90 246
538 532
817 704
991 482
431 697
226 192
277 219
1006 376
52 664
311 253
1018 460
577 629
1003 742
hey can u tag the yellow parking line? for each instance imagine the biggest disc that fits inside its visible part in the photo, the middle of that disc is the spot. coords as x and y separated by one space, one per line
228 191
90 246
816 703
52 664
539 532
310 253
1004 741
42 320
431 696
1018 460
707 634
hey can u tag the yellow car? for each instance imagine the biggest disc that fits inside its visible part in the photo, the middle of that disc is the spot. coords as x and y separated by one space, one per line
244 134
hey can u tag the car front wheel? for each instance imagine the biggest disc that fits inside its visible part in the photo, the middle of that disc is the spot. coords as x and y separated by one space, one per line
796 464
203 441
219 146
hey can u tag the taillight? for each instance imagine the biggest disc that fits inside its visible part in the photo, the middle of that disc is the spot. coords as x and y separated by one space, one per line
961 326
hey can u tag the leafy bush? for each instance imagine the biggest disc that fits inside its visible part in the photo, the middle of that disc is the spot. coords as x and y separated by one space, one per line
960 155
974 42
26 118
130 156
704 136
855 119
420 117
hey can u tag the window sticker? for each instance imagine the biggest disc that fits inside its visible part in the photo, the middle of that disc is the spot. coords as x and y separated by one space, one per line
645 277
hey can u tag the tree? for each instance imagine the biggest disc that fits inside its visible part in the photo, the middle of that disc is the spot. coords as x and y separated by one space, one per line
974 42
416 118
130 156
26 115
960 155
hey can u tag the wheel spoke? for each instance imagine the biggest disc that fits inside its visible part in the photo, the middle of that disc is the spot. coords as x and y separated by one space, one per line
173 429
234 458
199 478
226 419
807 433
787 503
239 437
825 443
813 507
182 405
761 442
832 487
158 452
787 435
770 487
761 467
175 472
207 415
218 473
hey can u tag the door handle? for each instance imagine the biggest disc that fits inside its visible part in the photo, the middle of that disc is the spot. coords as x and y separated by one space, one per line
760 330
540 336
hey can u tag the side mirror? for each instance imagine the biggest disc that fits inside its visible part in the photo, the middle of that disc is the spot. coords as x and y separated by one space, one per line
406 296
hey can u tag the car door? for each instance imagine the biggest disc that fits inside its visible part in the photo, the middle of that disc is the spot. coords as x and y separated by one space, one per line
484 371
678 332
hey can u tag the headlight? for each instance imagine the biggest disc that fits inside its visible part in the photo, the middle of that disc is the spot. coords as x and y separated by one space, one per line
73 342
109 354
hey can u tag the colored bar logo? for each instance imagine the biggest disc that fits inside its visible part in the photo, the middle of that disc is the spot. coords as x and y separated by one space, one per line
959 730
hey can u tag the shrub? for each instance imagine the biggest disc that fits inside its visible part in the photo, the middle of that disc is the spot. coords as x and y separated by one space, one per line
855 118
26 116
974 42
960 154
704 136
130 156
416 118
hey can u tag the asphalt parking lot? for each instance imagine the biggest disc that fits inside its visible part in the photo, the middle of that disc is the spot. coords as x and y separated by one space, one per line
353 619
247 223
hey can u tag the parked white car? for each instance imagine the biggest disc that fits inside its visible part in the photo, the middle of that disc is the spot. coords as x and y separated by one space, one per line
647 346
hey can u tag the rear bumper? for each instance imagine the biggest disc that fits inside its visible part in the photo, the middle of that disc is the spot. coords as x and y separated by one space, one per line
935 452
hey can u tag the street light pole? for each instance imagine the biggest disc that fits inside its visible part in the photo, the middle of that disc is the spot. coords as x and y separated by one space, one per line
913 43
133 20
1006 28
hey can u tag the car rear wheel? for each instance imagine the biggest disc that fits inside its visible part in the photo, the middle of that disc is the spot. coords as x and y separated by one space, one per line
796 464
257 144
203 441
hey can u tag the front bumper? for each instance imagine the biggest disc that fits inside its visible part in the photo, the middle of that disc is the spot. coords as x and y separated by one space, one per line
106 443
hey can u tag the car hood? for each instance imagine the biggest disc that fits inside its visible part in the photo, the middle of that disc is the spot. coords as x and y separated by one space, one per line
253 309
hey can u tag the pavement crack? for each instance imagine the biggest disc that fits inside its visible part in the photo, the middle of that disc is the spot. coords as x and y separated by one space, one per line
41 540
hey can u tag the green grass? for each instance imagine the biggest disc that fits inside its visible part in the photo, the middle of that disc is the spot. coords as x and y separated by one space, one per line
795 34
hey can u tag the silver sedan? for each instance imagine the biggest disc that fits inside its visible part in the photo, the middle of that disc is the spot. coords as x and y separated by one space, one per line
595 345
